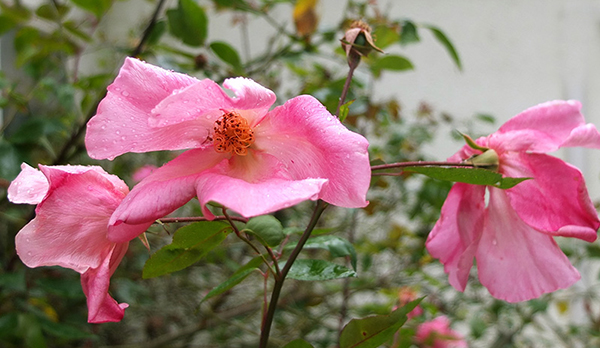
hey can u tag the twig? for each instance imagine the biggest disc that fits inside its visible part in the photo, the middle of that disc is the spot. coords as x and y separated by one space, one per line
266 329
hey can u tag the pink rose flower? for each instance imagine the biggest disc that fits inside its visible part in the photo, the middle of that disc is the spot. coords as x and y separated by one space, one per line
407 294
241 155
74 204
438 334
511 236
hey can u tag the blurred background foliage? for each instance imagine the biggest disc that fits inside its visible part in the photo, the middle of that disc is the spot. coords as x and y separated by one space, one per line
62 65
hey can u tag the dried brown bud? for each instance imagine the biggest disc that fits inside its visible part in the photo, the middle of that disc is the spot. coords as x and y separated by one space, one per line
358 42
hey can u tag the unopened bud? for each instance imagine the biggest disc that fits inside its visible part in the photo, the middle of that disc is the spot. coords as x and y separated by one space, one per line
358 42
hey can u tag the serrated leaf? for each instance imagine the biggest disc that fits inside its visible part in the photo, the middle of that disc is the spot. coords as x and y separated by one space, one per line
190 244
409 33
299 343
227 54
188 22
337 246
373 331
314 270
267 228
443 39
236 278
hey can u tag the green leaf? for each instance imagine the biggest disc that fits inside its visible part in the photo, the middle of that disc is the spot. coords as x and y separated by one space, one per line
373 331
385 36
52 11
267 228
409 33
474 176
63 330
190 244
73 28
345 110
97 7
227 54
337 246
506 183
391 62
443 39
159 28
188 22
313 270
299 343
10 161
236 278
6 24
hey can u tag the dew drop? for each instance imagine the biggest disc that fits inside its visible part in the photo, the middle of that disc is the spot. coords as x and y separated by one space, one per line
123 137
29 253
103 127
186 101
118 132
27 240
494 242
125 94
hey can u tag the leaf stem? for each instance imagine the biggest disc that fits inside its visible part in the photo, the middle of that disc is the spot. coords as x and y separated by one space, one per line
266 327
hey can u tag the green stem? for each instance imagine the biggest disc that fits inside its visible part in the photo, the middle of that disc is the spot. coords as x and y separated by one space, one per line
266 327
420 164
346 87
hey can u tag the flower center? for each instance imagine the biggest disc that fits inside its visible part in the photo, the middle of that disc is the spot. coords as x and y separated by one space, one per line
232 134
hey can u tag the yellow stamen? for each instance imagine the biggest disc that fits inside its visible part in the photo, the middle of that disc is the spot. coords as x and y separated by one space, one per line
232 134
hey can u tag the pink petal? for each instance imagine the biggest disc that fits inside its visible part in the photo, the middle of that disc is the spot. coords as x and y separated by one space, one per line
70 226
514 261
205 102
259 197
455 236
556 201
95 282
166 189
121 123
29 187
545 128
584 136
310 143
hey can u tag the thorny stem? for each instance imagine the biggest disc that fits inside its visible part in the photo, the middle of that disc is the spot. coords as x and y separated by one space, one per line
266 328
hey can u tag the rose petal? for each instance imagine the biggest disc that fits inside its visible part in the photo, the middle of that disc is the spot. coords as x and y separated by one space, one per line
29 187
556 200
584 136
550 123
70 226
311 143
121 123
166 189
514 261
102 308
455 236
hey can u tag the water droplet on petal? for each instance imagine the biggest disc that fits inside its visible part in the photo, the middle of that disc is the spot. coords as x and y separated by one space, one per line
29 253
123 137
494 242
118 132
103 127
125 94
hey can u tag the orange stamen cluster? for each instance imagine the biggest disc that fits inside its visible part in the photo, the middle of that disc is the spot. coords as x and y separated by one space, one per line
232 134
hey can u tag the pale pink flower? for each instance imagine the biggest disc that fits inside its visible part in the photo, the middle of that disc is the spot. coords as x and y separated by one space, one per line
74 204
438 334
242 156
407 294
512 236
